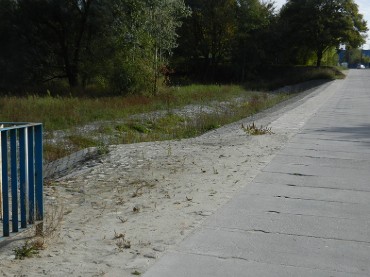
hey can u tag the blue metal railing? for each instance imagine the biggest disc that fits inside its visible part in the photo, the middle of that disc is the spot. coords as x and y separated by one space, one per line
20 176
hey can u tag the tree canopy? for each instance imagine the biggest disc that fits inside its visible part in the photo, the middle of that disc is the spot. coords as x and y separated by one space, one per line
123 46
318 25
90 41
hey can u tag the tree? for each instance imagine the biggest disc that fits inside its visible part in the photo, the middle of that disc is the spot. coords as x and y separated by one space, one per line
207 36
253 42
62 33
225 40
318 25
148 32
87 42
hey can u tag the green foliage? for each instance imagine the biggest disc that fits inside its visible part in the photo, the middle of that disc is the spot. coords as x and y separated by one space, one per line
82 142
122 47
314 26
26 251
97 46
139 127
121 120
354 56
53 152
253 43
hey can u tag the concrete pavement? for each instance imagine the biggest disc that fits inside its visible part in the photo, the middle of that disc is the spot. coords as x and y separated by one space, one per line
306 214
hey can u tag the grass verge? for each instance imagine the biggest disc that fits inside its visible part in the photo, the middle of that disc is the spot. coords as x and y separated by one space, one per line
185 112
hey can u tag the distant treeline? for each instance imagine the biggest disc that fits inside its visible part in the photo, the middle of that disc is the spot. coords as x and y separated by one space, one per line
130 46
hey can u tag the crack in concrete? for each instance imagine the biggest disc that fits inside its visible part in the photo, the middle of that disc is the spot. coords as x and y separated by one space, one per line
231 257
323 157
312 199
299 174
286 234
313 187
291 173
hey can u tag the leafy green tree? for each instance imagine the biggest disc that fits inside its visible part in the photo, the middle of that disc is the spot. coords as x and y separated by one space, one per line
225 40
253 43
118 45
207 36
63 34
355 56
55 36
147 34
318 25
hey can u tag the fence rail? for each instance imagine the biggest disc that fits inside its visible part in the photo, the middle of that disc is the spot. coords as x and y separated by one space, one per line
21 177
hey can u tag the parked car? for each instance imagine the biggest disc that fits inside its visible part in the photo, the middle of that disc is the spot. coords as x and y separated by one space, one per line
360 66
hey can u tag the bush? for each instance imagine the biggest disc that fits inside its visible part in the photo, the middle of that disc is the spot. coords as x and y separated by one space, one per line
131 78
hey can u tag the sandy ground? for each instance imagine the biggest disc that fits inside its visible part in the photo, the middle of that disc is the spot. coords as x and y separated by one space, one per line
123 211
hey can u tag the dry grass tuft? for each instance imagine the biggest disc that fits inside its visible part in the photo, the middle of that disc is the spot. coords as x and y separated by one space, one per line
253 130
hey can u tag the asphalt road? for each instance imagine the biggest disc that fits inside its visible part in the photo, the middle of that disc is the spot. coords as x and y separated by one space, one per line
307 213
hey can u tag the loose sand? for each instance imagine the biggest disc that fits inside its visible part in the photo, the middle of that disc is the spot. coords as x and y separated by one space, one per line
123 211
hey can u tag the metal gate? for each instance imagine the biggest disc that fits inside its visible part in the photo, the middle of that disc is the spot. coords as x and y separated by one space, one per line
21 178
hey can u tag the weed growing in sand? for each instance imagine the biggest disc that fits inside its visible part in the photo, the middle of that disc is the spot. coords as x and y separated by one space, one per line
28 250
44 231
53 221
121 219
137 273
142 184
121 242
253 130
215 171
169 150
102 149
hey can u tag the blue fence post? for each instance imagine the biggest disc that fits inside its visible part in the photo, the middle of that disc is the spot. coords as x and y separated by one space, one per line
23 176
39 174
31 175
14 178
4 160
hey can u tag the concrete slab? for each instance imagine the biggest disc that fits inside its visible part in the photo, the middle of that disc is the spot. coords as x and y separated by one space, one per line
280 249
324 227
280 203
360 183
300 152
330 162
332 145
302 192
348 173
191 265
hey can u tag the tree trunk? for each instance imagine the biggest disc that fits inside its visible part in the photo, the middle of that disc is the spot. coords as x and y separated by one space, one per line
319 57
72 78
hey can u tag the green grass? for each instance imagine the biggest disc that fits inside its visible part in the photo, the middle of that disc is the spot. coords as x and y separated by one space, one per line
222 104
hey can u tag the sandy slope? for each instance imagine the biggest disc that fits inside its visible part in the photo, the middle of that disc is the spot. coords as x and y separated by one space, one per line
154 194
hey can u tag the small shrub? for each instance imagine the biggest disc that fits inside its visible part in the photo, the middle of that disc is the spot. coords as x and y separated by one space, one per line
139 127
26 251
54 152
253 130
102 149
121 242
82 142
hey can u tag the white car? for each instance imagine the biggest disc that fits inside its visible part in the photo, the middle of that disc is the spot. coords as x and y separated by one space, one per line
360 66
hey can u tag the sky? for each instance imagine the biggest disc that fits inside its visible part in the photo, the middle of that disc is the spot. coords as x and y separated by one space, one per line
364 7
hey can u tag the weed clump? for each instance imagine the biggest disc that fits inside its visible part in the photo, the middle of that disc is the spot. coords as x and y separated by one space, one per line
254 130
26 251
121 243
